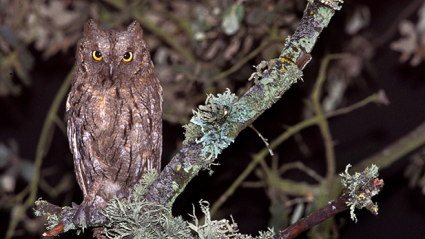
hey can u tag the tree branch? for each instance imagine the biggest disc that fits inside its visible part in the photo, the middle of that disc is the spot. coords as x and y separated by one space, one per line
358 191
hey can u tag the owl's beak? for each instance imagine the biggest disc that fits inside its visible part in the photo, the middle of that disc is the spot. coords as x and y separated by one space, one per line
111 69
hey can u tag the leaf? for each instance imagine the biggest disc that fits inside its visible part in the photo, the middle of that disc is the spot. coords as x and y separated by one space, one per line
232 18
26 169
408 44
9 36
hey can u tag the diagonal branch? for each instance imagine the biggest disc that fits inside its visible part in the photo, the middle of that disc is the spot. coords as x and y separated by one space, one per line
269 86
358 191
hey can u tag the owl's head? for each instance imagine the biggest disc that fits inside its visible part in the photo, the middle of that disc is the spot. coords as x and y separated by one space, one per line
113 55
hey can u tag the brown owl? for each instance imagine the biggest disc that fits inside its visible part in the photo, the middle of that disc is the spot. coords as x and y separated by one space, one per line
114 114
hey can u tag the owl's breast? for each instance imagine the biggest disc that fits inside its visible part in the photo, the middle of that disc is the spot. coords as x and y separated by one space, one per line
106 106
103 110
111 121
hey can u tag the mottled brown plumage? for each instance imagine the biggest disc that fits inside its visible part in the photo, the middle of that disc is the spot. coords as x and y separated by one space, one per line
114 113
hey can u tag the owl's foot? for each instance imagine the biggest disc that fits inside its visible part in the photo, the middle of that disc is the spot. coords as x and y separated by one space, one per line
82 216
97 233
121 194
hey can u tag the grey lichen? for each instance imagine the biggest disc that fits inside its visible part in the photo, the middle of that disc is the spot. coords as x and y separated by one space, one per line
360 188
211 124
140 218
283 76
334 4
261 69
56 215
52 221
223 229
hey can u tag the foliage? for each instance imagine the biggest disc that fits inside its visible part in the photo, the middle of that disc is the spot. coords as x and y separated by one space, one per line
412 43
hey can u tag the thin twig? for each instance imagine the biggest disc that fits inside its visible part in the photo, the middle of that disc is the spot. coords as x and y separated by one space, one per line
61 125
323 123
258 184
302 167
21 194
390 154
264 140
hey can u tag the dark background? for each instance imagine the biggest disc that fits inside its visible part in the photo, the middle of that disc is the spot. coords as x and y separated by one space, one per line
359 134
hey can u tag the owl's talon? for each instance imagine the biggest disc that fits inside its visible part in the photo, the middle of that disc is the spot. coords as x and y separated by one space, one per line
82 216
121 194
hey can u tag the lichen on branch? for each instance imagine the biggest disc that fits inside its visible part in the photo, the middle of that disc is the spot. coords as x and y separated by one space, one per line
360 188
211 124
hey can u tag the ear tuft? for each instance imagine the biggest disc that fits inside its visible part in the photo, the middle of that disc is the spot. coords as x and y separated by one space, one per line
136 28
89 27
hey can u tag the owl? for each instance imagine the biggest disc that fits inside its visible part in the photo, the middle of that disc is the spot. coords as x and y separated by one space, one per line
114 114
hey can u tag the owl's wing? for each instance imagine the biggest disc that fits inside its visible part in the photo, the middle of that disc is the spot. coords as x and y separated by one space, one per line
73 145
143 128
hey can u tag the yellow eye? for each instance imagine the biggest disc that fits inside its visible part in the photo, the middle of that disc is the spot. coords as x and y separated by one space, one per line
128 56
97 55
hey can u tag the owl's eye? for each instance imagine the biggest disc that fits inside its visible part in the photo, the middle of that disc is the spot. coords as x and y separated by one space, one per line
128 56
97 55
